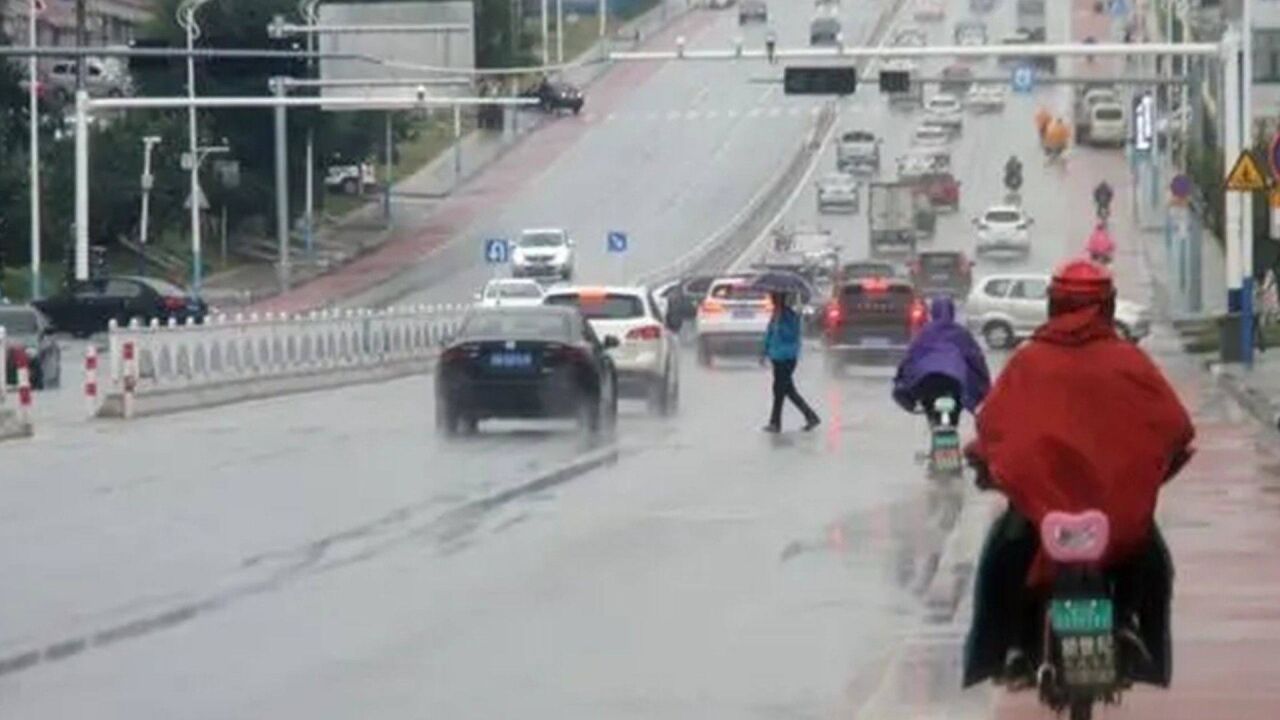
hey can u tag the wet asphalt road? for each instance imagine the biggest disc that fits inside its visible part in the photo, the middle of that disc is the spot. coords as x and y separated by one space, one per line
317 556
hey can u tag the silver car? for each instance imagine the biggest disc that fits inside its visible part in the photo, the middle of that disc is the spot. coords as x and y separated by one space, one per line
1005 309
838 192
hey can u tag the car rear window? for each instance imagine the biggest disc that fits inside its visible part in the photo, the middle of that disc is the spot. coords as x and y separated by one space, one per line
1109 114
18 322
858 136
1003 216
604 306
939 262
737 291
515 290
518 326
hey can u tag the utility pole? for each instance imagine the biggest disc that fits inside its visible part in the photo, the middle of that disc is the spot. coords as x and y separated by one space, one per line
187 19
546 37
308 9
148 180
1246 133
80 25
33 120
559 32
282 184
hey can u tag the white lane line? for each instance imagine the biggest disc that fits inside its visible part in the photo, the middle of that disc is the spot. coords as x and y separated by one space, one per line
713 114
651 116
765 95
775 112
754 112
815 111
731 113
692 115
793 111
673 114
610 117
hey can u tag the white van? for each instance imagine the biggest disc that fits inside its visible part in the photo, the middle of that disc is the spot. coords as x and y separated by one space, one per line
1108 124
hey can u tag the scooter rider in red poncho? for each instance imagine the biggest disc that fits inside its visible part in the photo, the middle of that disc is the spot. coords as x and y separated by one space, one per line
1079 419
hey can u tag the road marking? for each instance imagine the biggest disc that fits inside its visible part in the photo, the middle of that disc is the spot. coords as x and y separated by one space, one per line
692 115
731 113
793 111
753 112
765 95
673 114
775 112
651 116
610 117
815 110
712 114
702 95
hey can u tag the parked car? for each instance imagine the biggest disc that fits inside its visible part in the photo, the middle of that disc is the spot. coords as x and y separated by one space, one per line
556 96
1007 308
647 358
531 362
86 308
753 11
942 272
27 333
351 178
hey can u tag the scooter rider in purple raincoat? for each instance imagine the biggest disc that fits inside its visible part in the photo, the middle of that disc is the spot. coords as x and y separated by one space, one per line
943 360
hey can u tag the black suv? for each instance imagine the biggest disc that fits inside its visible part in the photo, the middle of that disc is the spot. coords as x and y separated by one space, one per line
554 96
871 320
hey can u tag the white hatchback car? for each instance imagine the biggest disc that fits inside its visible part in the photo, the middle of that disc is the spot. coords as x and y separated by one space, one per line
732 319
647 356
1007 308
510 292
1003 229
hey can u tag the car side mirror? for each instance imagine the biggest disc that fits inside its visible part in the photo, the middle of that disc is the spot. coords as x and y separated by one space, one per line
611 342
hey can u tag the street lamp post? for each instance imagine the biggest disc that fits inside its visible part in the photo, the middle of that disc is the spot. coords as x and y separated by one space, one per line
187 19
559 32
310 15
33 121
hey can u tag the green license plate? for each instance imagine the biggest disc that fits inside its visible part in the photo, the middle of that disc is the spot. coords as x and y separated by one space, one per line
1081 616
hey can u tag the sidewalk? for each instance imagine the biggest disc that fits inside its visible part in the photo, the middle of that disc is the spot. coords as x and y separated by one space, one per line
416 200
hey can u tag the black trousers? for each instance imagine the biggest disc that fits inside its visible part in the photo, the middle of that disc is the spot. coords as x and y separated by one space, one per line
784 388
934 386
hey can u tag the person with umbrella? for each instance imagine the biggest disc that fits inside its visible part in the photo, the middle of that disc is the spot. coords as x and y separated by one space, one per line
782 347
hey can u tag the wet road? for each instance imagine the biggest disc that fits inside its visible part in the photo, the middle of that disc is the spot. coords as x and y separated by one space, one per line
327 556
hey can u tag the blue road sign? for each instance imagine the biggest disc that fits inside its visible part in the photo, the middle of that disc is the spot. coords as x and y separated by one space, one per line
616 242
497 251
1023 79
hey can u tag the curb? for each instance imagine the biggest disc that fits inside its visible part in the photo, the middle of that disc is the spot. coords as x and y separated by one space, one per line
1249 399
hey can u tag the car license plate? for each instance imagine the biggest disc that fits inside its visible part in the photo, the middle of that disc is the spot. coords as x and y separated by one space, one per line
875 342
744 314
1081 616
511 360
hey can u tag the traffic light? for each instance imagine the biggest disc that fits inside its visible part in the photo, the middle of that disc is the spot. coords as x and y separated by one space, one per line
827 80
895 81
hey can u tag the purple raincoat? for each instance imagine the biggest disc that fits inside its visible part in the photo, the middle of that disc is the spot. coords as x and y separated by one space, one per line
943 347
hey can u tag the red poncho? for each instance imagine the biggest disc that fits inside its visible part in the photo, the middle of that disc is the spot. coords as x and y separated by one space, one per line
1081 419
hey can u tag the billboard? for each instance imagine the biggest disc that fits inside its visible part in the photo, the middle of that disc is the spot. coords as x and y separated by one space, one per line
454 49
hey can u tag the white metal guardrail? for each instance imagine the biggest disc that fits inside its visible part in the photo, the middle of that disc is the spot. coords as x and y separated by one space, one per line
161 368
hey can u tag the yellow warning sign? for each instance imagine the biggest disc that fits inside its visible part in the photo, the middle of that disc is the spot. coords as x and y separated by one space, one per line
1245 175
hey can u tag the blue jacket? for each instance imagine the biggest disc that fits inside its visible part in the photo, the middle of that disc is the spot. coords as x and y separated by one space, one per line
782 338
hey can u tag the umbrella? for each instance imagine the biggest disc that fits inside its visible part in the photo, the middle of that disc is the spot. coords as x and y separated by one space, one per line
784 282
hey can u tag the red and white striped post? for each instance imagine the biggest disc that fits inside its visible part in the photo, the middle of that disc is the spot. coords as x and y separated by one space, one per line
91 379
130 379
24 387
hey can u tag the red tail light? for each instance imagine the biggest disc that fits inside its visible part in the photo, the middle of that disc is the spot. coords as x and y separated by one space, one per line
170 302
456 355
833 315
918 315
647 332
567 353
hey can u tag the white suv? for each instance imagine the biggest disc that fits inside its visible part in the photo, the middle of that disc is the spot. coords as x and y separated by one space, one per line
732 319
647 356
543 253
1007 308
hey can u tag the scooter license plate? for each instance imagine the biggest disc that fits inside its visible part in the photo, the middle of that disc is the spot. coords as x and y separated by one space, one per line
1081 616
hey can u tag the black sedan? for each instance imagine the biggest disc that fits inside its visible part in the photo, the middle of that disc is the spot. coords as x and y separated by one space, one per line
554 96
85 308
525 362
26 332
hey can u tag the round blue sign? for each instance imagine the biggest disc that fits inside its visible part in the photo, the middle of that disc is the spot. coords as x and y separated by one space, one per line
1180 186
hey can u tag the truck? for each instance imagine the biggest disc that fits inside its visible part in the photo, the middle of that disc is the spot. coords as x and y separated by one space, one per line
1086 97
892 210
